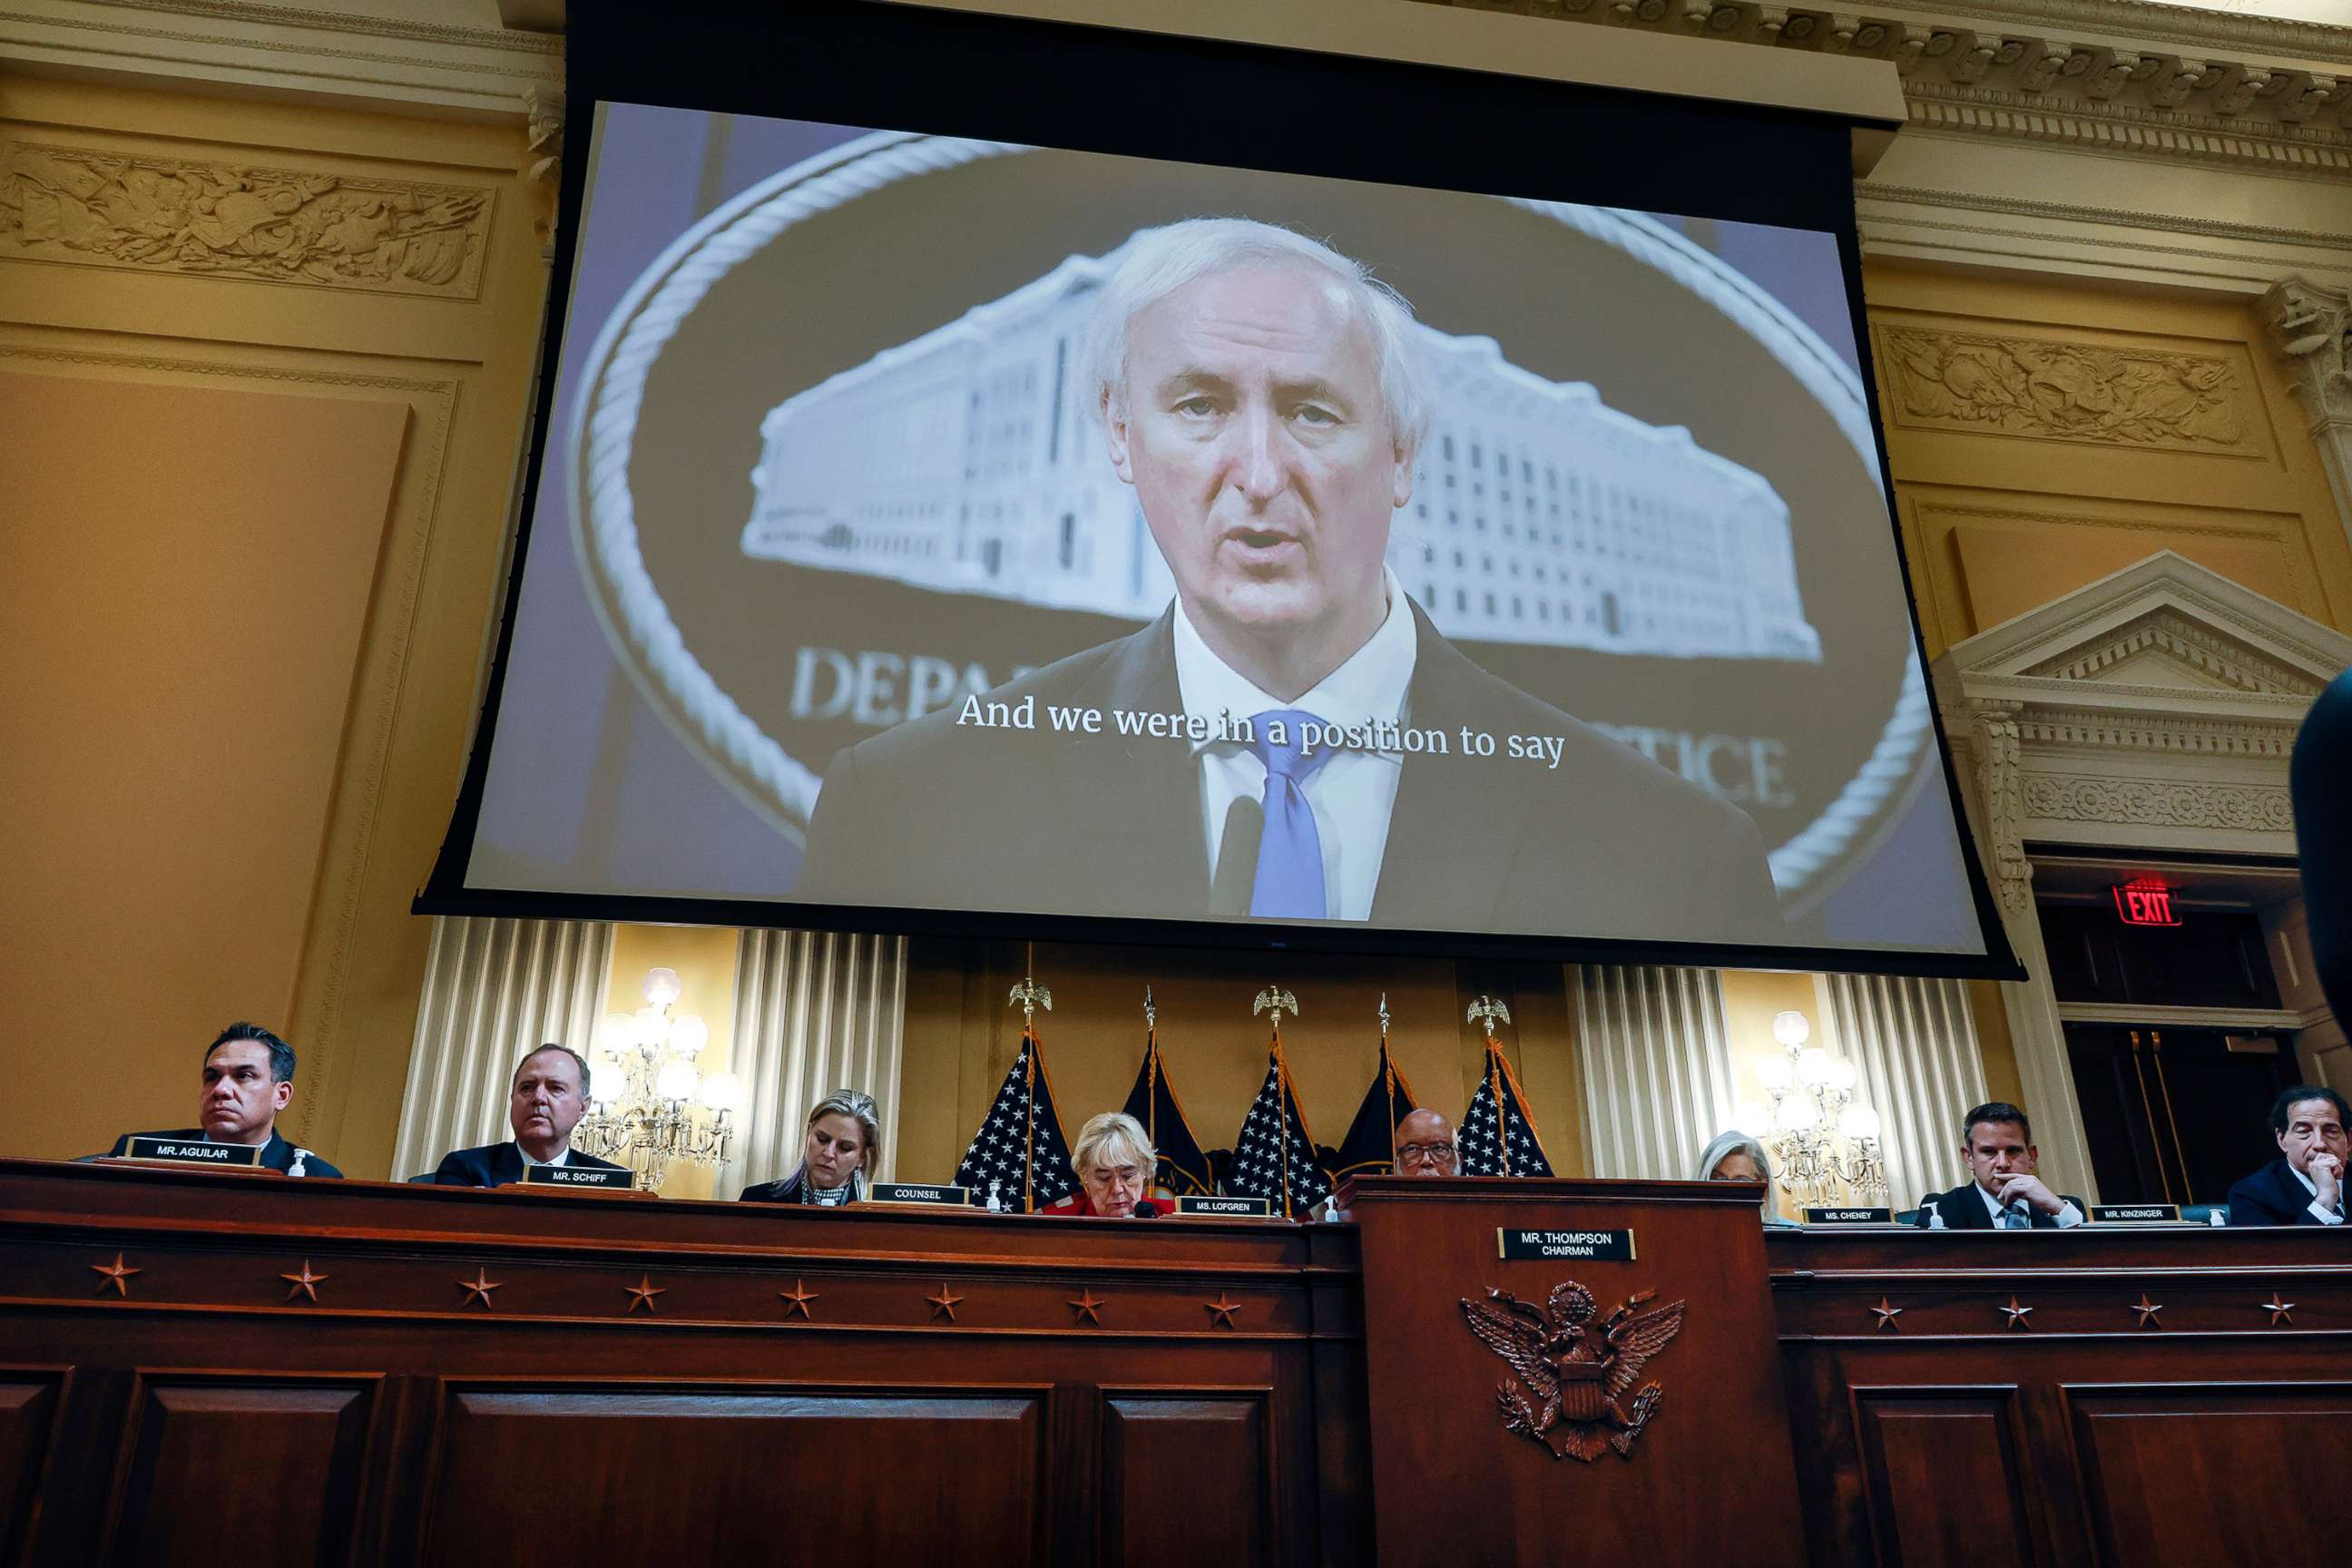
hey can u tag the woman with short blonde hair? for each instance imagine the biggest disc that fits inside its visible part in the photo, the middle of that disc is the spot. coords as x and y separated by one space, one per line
1115 1163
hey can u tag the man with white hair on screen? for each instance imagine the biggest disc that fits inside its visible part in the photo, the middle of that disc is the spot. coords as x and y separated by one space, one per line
1257 390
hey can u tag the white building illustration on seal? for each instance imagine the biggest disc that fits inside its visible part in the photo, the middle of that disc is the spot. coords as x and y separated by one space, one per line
966 461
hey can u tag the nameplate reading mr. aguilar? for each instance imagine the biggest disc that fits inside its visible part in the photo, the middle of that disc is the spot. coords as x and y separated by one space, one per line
182 1152
915 1192
1849 1216
573 1176
2135 1214
1606 1245
1226 1208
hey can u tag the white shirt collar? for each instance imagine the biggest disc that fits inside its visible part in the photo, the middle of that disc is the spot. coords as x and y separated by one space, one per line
1992 1204
562 1159
1369 687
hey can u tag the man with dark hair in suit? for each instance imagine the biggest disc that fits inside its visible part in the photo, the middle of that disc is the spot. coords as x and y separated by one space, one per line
248 1078
1313 758
1997 1141
545 1102
2304 1185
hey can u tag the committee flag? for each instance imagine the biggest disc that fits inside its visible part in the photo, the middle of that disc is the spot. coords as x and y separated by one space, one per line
1273 1154
1019 1160
1498 1135
1183 1169
1370 1147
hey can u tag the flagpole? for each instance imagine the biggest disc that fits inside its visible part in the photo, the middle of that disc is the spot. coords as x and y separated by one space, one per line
1275 998
1029 997
1486 1010
1388 1081
1151 1069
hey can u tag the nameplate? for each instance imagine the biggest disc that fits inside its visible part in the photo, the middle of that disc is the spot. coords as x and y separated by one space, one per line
575 1177
1849 1216
1225 1208
181 1152
2135 1214
915 1192
1603 1246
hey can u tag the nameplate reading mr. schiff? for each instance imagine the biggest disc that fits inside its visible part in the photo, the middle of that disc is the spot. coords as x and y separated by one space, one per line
573 1176
2135 1214
1225 1208
180 1151
1849 1216
915 1192
1608 1246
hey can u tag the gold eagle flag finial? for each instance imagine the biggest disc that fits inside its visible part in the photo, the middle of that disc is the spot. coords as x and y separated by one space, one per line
1384 1015
1275 998
1151 1013
1029 997
1486 1010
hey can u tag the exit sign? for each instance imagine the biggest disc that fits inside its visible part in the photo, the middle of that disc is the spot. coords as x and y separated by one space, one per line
2144 903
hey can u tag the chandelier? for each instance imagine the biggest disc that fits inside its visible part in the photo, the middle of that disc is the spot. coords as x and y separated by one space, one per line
1825 1148
649 1105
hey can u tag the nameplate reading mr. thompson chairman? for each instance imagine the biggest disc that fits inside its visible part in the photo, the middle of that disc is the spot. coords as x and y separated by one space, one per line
1605 1245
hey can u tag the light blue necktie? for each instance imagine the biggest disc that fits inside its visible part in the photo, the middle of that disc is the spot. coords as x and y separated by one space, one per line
1289 883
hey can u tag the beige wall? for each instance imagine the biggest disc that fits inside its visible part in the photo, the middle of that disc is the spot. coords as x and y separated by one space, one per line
255 515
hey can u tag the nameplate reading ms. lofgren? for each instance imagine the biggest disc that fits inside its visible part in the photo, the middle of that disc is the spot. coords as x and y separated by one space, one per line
573 1176
1225 1208
180 1151
1849 1216
1608 1246
2135 1214
915 1192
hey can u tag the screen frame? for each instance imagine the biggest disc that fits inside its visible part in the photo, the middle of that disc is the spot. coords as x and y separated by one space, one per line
906 67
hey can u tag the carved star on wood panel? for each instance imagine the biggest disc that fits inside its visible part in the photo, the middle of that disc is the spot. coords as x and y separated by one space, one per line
797 1299
2147 1311
643 1292
2281 1311
1887 1313
2016 1314
1222 1309
118 1274
1089 1306
477 1288
943 1305
303 1284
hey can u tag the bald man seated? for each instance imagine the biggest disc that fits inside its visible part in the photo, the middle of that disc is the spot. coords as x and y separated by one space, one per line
1425 1146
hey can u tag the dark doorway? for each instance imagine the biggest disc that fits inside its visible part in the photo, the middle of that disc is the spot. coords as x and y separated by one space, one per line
2176 1115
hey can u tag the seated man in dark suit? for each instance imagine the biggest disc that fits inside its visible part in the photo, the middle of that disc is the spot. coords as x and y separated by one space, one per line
1997 1141
1259 392
2304 1185
546 1102
248 1080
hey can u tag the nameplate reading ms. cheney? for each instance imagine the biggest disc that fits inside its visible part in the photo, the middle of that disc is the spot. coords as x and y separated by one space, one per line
1608 1246
180 1151
575 1177
1849 1216
915 1192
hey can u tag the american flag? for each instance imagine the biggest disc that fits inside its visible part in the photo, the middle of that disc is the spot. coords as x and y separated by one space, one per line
1273 1154
1019 1154
1498 1136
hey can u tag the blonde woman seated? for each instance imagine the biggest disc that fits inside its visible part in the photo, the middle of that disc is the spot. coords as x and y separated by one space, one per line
836 1156
1734 1156
1114 1163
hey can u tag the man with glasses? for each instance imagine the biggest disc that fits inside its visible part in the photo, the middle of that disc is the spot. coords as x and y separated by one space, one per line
1425 1146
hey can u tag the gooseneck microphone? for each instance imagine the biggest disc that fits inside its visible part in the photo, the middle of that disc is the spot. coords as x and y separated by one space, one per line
1236 880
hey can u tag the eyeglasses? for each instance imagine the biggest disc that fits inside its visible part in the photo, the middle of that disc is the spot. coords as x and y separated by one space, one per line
1424 1154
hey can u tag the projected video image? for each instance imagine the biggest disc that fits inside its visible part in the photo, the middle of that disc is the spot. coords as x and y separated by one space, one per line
1003 528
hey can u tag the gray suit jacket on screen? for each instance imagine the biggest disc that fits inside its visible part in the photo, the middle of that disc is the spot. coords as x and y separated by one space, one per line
929 815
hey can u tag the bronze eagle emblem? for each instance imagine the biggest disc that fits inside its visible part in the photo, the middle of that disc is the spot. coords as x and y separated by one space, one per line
1578 1371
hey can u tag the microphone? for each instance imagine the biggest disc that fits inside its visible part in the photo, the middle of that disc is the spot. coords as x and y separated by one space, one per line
1237 880
1147 1208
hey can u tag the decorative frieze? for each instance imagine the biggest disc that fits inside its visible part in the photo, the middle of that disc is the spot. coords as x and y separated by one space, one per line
91 207
2159 802
2044 389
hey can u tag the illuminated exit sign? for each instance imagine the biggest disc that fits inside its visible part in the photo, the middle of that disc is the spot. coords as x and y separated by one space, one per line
2144 903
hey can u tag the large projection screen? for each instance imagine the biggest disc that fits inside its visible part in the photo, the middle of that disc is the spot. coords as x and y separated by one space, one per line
969 498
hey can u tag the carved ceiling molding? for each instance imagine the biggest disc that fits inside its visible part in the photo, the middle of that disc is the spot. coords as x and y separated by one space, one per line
1868 192
2156 80
2090 731
2191 645
2155 803
92 206
482 72
2146 399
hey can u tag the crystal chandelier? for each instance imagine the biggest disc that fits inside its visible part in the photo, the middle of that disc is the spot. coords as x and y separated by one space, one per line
650 1104
1825 1148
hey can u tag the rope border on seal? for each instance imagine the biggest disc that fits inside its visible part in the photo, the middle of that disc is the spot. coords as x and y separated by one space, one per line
604 420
